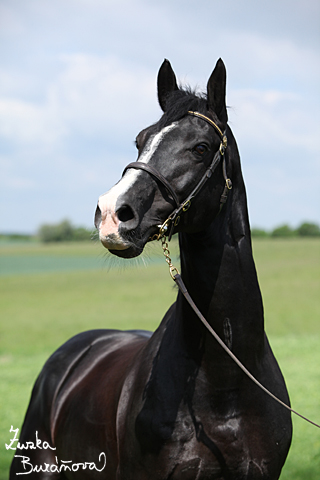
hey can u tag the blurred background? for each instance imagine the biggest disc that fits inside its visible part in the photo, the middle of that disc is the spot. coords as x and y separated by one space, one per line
78 82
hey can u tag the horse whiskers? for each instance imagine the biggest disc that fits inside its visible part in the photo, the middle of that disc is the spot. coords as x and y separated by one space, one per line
95 235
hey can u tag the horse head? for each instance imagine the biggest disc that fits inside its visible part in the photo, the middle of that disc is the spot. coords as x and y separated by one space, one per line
179 181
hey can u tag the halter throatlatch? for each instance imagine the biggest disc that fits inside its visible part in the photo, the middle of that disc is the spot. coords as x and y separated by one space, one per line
166 229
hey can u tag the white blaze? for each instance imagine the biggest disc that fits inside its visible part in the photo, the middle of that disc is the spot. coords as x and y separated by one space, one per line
107 202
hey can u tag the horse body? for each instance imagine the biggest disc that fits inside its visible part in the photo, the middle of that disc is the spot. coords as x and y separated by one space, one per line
173 405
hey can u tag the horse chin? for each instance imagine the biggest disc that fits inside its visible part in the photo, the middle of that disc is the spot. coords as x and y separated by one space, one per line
129 252
125 248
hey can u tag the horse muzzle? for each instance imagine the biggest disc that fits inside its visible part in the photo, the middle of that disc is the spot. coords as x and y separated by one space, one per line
113 226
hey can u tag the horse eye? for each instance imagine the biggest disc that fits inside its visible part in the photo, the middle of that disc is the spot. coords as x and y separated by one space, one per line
200 149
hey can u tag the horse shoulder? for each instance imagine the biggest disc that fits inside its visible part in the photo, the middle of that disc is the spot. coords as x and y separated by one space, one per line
88 369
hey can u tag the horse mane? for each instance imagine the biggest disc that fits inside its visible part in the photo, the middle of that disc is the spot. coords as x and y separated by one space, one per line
179 102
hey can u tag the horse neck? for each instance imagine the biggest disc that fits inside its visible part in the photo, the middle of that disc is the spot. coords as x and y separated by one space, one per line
218 269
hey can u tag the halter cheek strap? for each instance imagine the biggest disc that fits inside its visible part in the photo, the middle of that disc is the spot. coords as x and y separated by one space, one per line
181 207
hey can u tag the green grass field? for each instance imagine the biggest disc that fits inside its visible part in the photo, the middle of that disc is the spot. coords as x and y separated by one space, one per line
51 292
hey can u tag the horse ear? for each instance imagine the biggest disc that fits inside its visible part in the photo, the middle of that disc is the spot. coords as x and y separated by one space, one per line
167 83
216 90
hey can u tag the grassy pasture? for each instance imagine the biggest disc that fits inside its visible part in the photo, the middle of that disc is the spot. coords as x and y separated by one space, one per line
51 292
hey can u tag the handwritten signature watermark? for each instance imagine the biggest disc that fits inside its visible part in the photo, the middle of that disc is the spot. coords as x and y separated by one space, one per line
57 467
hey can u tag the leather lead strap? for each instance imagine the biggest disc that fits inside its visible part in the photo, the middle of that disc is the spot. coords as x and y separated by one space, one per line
177 278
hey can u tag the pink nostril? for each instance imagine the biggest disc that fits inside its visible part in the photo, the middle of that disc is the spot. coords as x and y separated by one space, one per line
125 213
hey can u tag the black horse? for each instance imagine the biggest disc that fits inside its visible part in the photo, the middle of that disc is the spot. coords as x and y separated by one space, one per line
172 404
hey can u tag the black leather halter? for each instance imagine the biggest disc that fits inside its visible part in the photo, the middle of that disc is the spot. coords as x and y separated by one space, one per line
181 207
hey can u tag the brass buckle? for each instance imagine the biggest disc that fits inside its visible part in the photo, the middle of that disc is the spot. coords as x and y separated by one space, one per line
223 144
224 141
228 184
186 206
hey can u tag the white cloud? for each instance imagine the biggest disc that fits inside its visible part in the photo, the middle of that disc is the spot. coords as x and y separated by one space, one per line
78 82
95 93
255 59
25 123
91 96
263 117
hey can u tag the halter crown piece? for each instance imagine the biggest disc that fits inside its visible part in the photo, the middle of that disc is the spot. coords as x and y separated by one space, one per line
174 218
224 141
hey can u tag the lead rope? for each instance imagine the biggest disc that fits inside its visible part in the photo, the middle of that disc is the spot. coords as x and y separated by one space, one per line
175 275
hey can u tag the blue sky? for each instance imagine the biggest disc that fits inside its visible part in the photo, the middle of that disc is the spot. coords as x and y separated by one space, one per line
78 82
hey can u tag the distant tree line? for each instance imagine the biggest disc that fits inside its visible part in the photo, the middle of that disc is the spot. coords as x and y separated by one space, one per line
285 231
66 232
63 232
16 237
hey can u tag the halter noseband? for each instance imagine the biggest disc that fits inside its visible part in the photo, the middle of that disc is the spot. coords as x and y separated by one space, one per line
174 217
